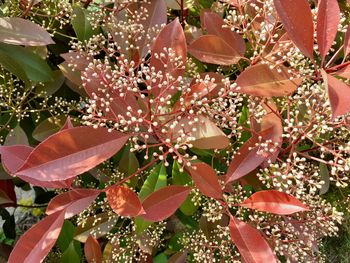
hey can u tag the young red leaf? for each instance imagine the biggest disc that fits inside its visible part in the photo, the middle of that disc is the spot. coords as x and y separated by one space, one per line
71 152
35 244
214 24
124 201
73 201
260 80
338 93
92 250
213 49
347 42
297 20
7 187
19 31
328 18
275 202
247 158
250 243
164 202
344 72
171 36
206 180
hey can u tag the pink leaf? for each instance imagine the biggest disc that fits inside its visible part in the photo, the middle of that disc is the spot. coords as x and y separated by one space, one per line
92 250
338 93
250 243
206 180
124 201
171 36
275 202
260 80
73 201
19 31
214 24
347 42
297 19
344 72
213 49
35 244
71 152
328 18
164 202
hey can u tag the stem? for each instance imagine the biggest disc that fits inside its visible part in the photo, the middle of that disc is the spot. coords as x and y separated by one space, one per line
25 13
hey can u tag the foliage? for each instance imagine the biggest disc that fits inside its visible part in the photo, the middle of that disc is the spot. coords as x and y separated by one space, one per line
174 131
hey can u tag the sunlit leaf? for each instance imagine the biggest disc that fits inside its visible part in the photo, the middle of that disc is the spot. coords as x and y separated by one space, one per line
92 250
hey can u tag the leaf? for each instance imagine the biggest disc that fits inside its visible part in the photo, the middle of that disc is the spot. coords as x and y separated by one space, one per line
19 31
215 25
73 201
155 180
81 24
35 244
71 152
51 87
12 66
7 193
164 202
66 235
175 4
171 36
206 180
4 199
347 42
344 72
260 80
297 20
338 94
92 250
70 255
128 164
275 202
207 135
213 49
328 18
48 127
97 225
16 136
13 157
35 68
179 257
124 201
250 243
324 174
247 158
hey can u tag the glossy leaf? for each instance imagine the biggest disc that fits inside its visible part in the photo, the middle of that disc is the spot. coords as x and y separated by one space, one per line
155 180
70 255
92 250
215 25
48 127
297 20
164 202
275 202
206 180
260 80
19 31
344 72
35 244
124 201
12 66
328 18
7 193
347 42
250 243
128 164
73 201
338 94
171 36
13 157
71 152
213 49
81 24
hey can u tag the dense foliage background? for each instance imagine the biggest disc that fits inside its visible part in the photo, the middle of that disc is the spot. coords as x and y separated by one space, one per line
174 131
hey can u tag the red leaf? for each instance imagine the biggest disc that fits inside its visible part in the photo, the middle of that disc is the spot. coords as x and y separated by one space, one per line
214 24
92 250
164 202
68 124
124 201
213 49
328 18
275 202
19 31
73 201
297 19
206 180
8 188
250 243
35 244
247 158
338 93
344 72
347 42
171 36
260 80
71 152
13 157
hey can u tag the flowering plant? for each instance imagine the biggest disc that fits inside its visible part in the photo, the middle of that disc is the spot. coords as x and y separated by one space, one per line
180 131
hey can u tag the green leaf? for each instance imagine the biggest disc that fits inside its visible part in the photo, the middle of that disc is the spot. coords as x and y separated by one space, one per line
324 174
70 255
182 178
16 136
66 236
81 24
155 180
128 163
48 127
12 66
52 86
160 258
35 68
